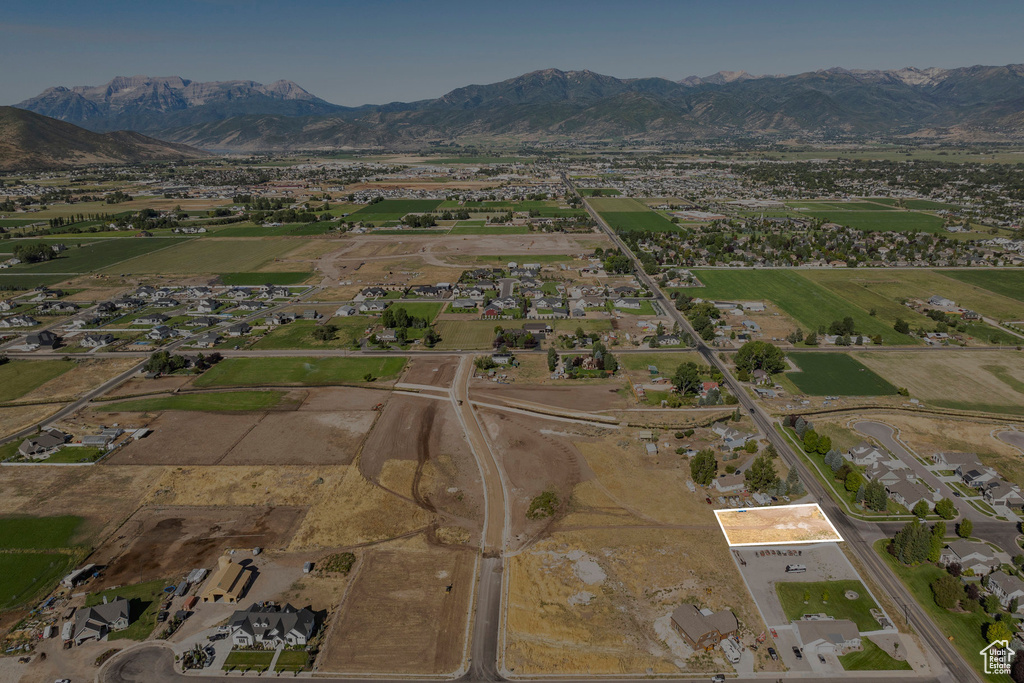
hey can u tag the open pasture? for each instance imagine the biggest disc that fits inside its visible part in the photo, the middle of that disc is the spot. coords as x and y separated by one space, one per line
19 377
25 577
218 402
399 207
465 334
299 371
1008 283
299 334
824 374
836 206
253 279
896 221
462 229
101 254
210 255
809 304
38 533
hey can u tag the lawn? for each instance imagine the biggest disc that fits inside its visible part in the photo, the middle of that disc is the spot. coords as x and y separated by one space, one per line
630 221
665 362
646 308
1005 282
299 334
420 309
899 221
240 372
76 454
964 629
461 229
25 577
799 598
872 658
37 533
144 600
210 255
824 374
252 279
19 377
398 207
100 254
292 660
466 334
808 303
249 659
228 401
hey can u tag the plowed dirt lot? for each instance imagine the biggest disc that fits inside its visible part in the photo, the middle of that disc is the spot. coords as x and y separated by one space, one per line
437 372
582 397
399 615
160 542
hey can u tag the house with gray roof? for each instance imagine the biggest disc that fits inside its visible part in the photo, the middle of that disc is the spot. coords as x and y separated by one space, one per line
828 636
100 620
272 626
865 453
973 555
1006 588
44 444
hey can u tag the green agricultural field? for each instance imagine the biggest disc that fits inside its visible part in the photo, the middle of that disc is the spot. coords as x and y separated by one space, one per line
26 577
466 334
240 372
617 205
7 246
250 230
420 309
18 222
399 207
37 533
480 160
1008 283
872 658
100 254
19 377
559 212
815 597
221 401
630 221
605 191
897 221
886 289
144 603
273 278
210 255
809 304
461 229
23 282
299 334
918 204
836 206
824 374
666 362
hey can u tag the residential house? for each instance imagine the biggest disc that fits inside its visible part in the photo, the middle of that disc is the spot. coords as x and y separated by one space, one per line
388 335
18 321
703 629
238 329
202 321
99 620
346 311
730 483
889 472
228 583
151 319
250 306
207 305
373 306
953 461
208 340
272 626
627 303
95 341
865 454
1006 587
828 636
160 333
1002 492
464 303
7 305
973 555
43 444
44 339
908 493
373 292
733 438
167 302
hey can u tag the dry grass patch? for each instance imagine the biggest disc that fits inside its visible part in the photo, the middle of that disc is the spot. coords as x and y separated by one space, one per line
86 375
19 417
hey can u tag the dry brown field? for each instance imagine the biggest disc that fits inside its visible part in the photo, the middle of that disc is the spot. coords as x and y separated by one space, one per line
86 375
160 542
581 396
399 616
785 524
433 371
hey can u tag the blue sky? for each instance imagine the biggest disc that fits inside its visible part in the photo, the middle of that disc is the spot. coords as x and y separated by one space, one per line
355 53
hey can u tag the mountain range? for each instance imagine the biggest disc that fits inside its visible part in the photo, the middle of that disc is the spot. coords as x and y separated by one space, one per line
984 102
30 141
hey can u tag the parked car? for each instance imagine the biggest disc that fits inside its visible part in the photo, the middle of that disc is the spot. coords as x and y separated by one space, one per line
821 658
773 654
797 652
718 678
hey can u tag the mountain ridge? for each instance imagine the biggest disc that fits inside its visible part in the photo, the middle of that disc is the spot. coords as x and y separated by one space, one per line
581 104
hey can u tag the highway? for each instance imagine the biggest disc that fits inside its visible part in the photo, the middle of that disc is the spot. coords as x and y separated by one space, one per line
945 653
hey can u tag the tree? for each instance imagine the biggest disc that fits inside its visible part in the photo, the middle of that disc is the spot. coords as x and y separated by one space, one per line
611 364
810 441
824 445
325 332
759 355
1013 606
990 604
761 474
998 630
854 480
704 467
811 339
964 529
861 494
938 542
947 591
912 543
921 509
875 496
901 326
793 483
800 427
552 359
945 509
687 379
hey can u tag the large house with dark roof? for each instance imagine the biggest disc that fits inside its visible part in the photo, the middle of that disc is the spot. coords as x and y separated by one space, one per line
703 629
272 626
99 620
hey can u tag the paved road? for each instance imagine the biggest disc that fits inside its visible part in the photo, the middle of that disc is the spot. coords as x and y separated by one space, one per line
155 664
945 654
